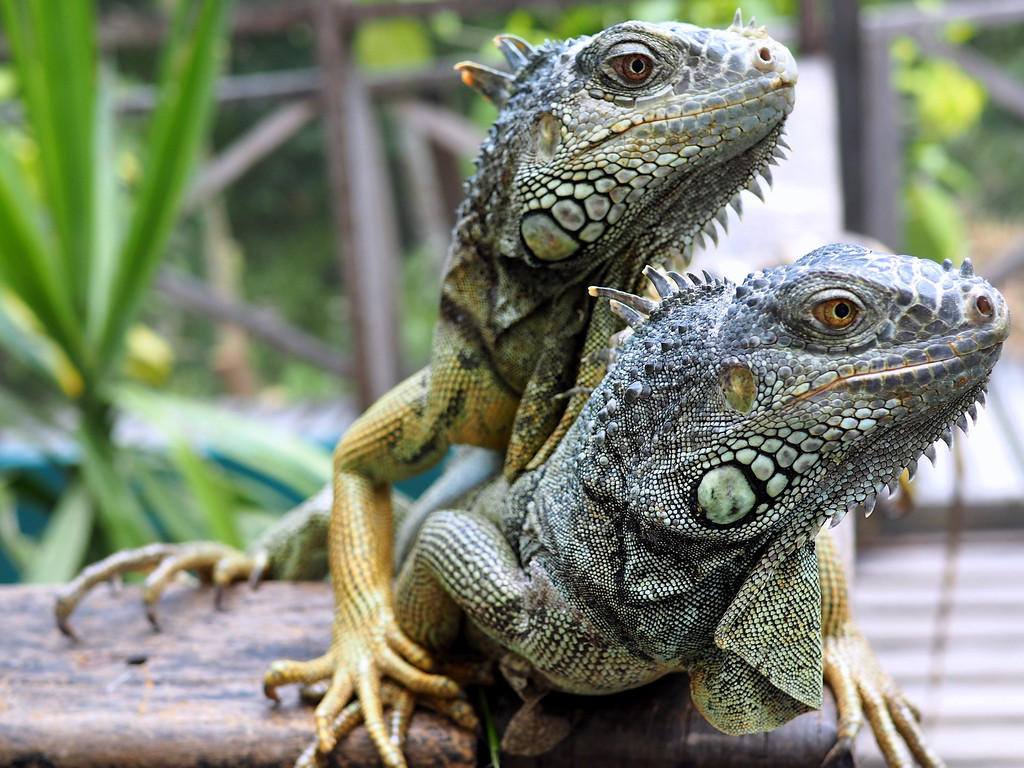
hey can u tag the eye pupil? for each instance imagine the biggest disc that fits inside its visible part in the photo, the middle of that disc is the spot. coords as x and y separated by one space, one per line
836 314
634 67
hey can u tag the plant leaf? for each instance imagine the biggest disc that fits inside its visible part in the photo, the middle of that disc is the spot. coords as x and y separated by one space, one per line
177 130
283 458
55 59
61 551
18 547
209 492
26 265
106 234
121 516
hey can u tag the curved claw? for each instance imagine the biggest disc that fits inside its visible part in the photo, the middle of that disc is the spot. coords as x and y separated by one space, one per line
260 566
213 561
373 663
866 693
401 702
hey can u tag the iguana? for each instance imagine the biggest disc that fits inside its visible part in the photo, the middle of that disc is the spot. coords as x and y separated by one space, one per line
674 527
608 152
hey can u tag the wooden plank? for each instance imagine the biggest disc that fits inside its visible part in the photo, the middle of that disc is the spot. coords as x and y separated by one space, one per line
657 726
188 696
191 694
965 747
911 661
976 595
970 686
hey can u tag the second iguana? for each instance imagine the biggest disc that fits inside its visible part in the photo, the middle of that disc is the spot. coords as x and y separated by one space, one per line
675 527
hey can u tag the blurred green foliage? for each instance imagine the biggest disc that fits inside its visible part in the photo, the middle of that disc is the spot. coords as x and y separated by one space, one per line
81 235
944 103
992 147
84 193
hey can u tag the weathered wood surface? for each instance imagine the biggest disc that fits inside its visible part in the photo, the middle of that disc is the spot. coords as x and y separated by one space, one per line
657 726
187 696
190 695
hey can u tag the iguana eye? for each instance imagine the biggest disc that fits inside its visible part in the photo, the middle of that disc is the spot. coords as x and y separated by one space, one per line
837 314
634 68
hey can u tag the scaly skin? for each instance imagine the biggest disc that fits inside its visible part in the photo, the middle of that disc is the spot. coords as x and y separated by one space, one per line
608 152
674 527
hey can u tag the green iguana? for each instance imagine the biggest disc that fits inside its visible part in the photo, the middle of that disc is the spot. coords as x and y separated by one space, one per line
674 527
608 152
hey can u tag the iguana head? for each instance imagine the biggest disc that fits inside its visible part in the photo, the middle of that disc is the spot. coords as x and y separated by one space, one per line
740 418
636 137
804 391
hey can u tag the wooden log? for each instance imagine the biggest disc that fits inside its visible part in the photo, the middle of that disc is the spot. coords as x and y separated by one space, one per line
191 694
658 726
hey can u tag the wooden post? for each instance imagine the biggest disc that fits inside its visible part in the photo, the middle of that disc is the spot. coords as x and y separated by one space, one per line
846 49
361 209
882 144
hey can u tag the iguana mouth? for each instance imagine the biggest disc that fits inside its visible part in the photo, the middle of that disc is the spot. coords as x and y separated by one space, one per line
934 367
709 104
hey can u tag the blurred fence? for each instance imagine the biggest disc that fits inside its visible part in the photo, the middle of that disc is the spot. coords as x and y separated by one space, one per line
349 100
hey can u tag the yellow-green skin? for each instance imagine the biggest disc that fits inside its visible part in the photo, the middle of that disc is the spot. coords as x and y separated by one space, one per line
586 175
608 152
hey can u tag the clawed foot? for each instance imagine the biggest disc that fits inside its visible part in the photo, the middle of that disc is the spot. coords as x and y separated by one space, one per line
383 668
216 563
401 704
864 690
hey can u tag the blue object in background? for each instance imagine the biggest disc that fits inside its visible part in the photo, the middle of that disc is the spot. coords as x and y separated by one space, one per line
39 480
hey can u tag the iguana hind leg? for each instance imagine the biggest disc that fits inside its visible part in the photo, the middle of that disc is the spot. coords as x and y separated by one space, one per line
864 691
293 548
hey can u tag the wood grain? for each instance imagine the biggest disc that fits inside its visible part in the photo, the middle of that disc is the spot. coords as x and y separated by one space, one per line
191 695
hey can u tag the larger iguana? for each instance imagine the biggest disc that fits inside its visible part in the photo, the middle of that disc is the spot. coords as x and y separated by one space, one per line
674 527
608 152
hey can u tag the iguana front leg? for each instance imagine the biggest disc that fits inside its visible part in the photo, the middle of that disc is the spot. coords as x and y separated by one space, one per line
405 432
862 687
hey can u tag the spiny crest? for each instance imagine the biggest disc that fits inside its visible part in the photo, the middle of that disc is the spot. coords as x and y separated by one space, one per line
636 310
966 267
493 84
867 505
753 185
515 50
737 22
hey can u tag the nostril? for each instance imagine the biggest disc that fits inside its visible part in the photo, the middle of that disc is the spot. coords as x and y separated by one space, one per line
766 60
984 305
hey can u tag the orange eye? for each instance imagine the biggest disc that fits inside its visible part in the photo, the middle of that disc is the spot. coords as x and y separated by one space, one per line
634 67
836 313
